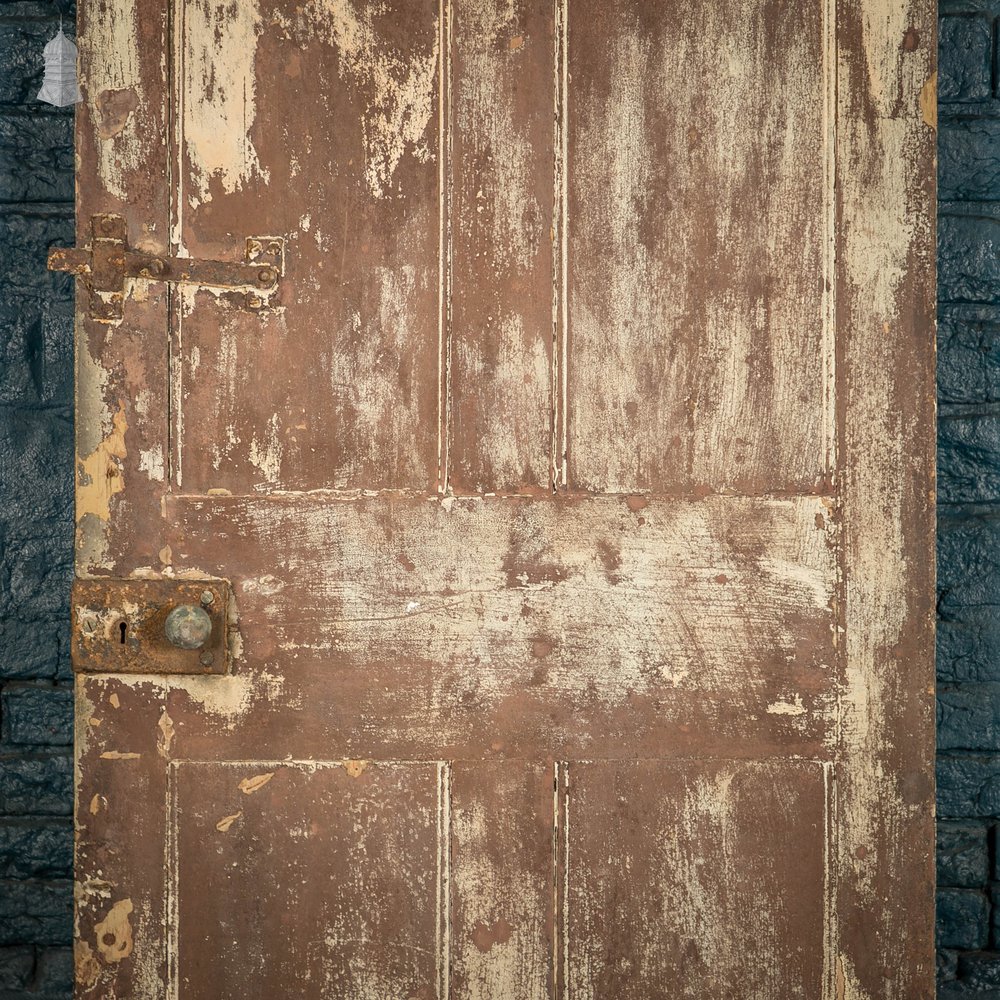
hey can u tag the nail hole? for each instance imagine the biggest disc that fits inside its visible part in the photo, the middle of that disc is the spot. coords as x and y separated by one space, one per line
122 628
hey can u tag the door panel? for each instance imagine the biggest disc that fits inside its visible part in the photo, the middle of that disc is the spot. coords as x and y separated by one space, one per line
305 880
319 124
696 880
698 194
574 492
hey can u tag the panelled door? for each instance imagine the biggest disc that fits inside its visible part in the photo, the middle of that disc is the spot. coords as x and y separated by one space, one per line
504 499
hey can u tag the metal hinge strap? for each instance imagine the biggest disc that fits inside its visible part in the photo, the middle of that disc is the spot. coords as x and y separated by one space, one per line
109 261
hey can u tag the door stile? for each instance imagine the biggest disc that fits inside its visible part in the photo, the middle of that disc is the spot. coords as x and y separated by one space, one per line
885 319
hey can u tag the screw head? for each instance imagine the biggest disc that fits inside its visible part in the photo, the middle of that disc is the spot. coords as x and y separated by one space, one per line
207 597
267 276
254 301
207 658
188 627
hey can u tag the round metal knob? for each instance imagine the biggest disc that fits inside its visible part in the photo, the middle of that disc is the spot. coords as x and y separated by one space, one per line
188 626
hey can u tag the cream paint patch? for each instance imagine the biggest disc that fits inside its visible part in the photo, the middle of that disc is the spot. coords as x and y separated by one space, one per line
113 935
100 473
219 93
151 462
399 92
109 52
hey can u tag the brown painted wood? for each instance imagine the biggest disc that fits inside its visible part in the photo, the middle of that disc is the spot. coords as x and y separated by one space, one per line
500 357
697 340
574 488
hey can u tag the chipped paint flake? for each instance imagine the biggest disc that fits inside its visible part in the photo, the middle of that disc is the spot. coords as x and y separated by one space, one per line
120 755
220 97
399 89
250 785
113 935
165 735
99 475
227 821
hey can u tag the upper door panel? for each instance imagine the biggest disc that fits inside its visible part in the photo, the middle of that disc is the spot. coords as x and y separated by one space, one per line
528 245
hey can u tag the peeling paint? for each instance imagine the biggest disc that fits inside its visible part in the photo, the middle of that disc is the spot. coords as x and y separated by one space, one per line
219 88
250 785
399 87
113 935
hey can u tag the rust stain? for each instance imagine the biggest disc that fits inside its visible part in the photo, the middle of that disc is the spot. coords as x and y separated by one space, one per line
227 821
637 503
100 473
88 969
928 102
355 768
119 755
250 785
113 935
114 108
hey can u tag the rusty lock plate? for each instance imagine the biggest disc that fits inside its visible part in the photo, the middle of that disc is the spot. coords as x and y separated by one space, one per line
150 626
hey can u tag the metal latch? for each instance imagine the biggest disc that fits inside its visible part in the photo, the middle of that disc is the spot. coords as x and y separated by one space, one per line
150 626
109 261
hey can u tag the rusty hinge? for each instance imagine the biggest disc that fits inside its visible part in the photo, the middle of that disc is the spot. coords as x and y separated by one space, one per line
150 626
109 261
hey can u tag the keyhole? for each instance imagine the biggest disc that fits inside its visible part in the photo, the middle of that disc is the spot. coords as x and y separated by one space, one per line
122 627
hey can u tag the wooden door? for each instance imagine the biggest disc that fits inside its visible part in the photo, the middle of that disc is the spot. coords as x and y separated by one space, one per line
563 513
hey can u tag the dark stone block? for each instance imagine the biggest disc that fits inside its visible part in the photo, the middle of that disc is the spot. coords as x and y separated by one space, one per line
36 349
980 971
969 458
968 359
965 71
29 653
968 259
36 715
36 157
947 965
969 159
28 235
35 575
968 785
36 469
17 968
968 717
962 855
37 784
968 598
54 972
34 912
30 848
22 44
962 919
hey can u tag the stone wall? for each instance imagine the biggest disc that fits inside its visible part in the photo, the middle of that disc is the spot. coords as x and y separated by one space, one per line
36 505
968 922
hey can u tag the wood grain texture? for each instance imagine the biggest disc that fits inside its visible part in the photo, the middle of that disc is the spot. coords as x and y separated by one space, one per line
317 122
695 880
343 861
619 625
501 880
885 310
122 370
502 263
697 356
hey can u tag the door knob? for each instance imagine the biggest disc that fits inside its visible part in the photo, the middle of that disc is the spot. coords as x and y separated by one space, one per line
188 626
